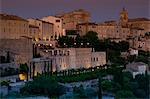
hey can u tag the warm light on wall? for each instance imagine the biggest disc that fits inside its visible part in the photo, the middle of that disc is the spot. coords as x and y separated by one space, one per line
88 65
36 39
22 76
44 38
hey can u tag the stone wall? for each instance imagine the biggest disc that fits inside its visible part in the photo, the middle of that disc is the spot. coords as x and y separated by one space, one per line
21 47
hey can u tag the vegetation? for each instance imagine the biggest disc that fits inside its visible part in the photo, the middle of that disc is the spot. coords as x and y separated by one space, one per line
80 92
24 69
124 94
43 85
91 40
9 71
71 32
4 83
100 88
124 86
143 56
81 75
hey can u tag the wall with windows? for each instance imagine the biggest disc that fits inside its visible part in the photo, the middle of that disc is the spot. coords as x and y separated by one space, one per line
57 22
46 29
13 29
72 58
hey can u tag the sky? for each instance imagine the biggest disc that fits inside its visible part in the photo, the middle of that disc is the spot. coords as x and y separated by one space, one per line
101 10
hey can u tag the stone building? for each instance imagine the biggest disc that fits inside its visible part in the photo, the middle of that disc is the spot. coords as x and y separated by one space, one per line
72 58
22 49
71 19
15 38
34 32
46 30
141 23
57 28
83 28
137 68
122 29
13 27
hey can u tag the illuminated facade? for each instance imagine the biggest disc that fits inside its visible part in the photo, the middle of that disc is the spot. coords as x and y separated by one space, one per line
13 27
57 28
15 38
46 32
72 58
71 19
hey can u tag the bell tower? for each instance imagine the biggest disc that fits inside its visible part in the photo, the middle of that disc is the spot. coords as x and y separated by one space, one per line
123 17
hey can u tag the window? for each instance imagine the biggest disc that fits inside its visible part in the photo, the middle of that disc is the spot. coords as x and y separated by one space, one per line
55 52
97 59
57 20
94 59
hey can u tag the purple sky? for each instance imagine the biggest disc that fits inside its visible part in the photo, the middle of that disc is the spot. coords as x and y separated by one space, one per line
100 10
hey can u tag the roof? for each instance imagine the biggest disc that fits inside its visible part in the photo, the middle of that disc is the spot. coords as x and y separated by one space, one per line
88 24
136 28
108 23
134 66
44 21
138 19
73 12
137 63
11 17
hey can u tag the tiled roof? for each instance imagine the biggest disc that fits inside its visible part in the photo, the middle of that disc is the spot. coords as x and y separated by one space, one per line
87 24
44 21
11 17
139 19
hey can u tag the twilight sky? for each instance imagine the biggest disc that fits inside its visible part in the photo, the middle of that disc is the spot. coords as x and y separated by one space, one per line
100 10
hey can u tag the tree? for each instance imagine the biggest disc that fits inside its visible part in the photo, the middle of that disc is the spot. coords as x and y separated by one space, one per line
124 94
4 83
143 81
100 88
124 46
43 85
92 38
107 85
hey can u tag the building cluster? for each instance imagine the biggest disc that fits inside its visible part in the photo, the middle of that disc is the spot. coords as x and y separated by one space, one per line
21 39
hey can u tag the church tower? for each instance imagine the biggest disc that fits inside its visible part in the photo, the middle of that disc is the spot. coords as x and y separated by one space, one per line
123 17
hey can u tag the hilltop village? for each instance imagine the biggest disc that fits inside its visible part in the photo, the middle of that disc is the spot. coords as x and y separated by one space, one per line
68 42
